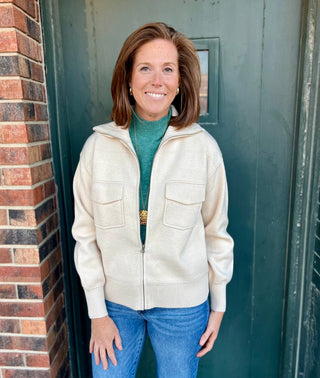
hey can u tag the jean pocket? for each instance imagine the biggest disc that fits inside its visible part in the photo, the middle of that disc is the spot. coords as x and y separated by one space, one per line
183 201
107 199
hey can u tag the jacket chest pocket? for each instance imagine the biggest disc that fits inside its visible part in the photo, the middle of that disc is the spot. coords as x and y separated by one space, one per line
183 204
107 200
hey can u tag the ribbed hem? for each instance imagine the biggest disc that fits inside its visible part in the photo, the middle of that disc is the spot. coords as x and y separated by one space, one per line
168 295
218 297
96 303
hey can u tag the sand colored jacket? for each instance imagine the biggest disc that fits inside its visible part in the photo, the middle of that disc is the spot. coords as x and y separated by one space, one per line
187 252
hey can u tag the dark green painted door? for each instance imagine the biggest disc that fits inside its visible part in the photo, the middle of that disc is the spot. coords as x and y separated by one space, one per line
252 86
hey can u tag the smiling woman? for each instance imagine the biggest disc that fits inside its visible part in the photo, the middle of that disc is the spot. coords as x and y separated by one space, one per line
147 262
155 79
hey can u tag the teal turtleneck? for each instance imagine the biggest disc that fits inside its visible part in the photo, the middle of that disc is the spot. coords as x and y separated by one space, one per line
146 137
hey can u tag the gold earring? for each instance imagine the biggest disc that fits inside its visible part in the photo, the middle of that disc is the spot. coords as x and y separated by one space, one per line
130 91
178 90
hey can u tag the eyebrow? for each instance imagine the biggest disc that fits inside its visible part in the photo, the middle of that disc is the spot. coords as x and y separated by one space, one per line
165 64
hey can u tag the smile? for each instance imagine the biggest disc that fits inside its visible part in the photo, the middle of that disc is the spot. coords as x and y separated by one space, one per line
156 95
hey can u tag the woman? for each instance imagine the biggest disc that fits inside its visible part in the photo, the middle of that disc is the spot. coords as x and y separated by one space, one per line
150 246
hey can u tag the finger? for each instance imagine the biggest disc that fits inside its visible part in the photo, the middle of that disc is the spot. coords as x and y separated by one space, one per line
111 355
96 355
91 345
118 342
207 347
104 359
205 336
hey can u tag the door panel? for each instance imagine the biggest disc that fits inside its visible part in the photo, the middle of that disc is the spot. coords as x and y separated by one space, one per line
258 58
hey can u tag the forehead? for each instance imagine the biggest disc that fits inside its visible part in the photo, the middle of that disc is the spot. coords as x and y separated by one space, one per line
158 49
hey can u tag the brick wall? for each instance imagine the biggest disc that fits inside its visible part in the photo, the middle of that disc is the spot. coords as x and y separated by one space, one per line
33 335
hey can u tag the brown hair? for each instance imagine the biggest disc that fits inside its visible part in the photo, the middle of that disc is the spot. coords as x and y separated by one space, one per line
187 102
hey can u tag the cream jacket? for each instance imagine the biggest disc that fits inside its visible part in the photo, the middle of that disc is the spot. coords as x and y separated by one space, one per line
187 252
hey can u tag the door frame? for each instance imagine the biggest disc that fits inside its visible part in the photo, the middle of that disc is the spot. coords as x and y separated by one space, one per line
304 196
305 176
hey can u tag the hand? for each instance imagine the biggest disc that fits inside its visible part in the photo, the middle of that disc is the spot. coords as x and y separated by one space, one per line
211 333
103 333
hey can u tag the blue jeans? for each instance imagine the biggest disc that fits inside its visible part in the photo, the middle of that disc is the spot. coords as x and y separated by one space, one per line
174 334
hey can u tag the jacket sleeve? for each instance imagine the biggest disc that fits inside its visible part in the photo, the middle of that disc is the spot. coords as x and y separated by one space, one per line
87 255
219 243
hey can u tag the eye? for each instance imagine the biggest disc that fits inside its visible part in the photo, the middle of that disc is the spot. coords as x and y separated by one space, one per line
144 68
168 70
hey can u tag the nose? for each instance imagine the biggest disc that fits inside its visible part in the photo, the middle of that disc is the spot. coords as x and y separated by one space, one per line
157 79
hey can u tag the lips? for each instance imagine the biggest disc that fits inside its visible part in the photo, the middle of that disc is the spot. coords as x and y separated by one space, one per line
156 95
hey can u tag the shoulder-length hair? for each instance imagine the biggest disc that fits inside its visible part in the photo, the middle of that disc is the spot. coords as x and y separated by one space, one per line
187 101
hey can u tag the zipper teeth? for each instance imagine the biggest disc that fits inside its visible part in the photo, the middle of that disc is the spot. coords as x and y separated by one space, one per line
143 246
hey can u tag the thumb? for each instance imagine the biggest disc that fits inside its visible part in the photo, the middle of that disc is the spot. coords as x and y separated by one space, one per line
204 337
117 341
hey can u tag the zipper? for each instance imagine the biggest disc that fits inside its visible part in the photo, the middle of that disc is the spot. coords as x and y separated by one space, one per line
143 246
143 283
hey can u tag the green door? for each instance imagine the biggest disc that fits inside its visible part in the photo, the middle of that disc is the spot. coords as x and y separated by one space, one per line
250 53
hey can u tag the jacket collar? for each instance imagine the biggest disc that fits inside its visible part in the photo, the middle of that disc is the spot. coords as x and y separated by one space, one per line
112 130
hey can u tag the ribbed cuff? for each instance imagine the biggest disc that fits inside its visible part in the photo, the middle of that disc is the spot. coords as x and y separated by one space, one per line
218 297
96 303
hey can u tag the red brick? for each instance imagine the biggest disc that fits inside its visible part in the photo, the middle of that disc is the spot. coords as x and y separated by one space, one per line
46 228
33 327
11 359
30 292
22 197
13 134
11 373
28 47
49 188
51 280
3 215
23 133
8 41
53 252
11 89
38 132
13 17
32 91
25 309
41 172
55 341
14 155
24 236
41 112
38 360
17 176
6 16
37 11
9 326
8 292
21 89
23 343
22 218
52 296
26 256
36 72
5 256
23 111
55 311
19 309
17 111
33 29
27 176
27 5
19 274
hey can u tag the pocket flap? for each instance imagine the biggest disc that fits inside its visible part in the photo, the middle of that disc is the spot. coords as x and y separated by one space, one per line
186 193
106 192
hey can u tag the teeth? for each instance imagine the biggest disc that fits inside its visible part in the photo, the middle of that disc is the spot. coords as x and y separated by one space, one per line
157 95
